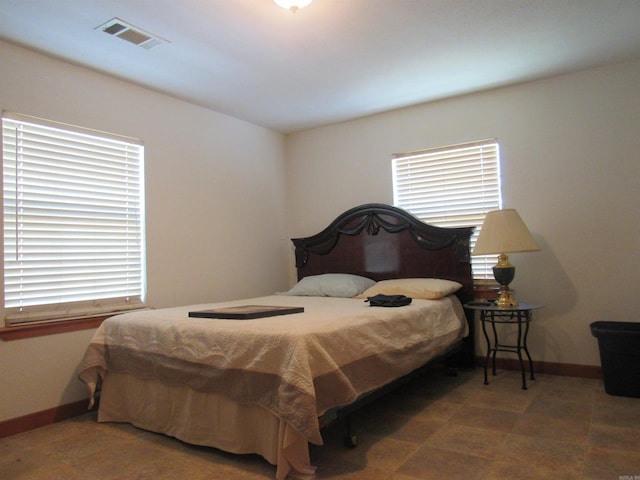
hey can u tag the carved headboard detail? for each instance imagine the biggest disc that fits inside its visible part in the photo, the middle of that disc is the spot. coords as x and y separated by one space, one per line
382 242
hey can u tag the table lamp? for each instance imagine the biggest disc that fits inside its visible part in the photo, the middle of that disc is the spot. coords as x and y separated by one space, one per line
503 231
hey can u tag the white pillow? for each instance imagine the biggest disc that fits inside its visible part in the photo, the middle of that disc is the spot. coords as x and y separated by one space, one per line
331 285
426 288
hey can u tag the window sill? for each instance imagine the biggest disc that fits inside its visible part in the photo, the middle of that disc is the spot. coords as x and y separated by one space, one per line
41 329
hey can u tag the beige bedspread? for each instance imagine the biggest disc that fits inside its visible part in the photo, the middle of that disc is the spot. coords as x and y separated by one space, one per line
297 366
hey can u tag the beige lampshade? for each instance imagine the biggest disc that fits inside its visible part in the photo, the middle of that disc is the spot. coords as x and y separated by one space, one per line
503 231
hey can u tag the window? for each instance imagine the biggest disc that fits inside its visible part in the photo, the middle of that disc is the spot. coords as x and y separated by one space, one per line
73 208
451 187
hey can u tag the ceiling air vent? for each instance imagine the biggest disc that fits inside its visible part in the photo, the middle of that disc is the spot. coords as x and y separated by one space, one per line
131 34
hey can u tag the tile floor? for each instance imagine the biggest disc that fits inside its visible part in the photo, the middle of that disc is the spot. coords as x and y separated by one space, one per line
436 427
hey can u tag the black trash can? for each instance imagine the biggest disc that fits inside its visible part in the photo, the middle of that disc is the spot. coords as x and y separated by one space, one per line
619 344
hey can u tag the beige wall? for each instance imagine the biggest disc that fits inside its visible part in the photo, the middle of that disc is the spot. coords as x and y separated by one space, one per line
205 172
570 149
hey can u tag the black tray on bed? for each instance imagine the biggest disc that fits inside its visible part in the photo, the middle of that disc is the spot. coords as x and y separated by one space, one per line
246 312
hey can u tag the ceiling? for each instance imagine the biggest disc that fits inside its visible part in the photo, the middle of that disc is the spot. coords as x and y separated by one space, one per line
333 60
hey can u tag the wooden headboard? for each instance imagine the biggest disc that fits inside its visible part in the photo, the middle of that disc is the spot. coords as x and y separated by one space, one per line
383 242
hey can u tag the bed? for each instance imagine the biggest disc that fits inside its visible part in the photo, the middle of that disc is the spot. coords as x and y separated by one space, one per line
268 385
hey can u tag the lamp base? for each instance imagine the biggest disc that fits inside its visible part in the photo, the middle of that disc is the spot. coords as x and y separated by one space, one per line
504 273
506 298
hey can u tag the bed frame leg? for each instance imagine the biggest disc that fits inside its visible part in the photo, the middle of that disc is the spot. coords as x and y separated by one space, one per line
350 438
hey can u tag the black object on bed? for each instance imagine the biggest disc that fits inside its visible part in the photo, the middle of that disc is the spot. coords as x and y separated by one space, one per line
246 312
382 300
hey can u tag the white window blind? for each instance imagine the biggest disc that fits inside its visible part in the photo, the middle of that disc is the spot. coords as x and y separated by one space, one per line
73 204
451 187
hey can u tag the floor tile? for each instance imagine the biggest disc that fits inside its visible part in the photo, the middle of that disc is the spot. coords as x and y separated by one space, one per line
429 463
506 470
561 409
514 400
486 418
544 453
617 438
468 440
383 453
617 411
565 429
602 463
